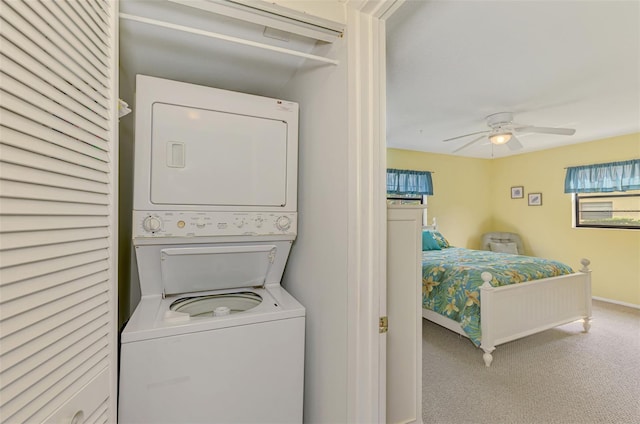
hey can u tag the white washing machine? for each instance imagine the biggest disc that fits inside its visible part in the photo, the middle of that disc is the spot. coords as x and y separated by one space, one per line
215 338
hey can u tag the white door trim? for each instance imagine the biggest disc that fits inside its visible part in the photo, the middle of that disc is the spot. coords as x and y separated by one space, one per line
366 380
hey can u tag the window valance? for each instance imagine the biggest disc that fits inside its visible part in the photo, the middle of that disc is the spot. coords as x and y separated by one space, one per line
402 181
603 177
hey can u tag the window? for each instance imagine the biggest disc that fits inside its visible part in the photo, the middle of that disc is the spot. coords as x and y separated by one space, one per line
410 199
607 210
605 195
406 187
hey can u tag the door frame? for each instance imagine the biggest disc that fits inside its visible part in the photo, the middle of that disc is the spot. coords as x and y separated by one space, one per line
367 226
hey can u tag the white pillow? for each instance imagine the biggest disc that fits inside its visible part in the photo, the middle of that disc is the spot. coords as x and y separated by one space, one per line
504 248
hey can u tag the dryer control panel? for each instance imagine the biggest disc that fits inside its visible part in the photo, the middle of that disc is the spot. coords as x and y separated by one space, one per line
211 224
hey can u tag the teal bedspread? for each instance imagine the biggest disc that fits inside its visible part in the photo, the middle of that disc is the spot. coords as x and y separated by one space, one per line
451 280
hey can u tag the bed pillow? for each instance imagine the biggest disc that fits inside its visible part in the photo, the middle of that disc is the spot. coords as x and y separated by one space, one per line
428 242
504 248
439 238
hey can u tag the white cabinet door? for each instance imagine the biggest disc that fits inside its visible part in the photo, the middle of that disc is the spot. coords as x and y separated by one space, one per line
58 150
404 302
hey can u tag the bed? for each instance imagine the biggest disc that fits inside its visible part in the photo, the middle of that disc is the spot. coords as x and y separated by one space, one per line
493 298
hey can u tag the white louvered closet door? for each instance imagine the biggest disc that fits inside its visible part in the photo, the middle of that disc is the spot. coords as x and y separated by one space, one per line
58 191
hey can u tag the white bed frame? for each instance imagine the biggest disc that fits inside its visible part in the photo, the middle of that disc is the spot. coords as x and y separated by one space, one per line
511 312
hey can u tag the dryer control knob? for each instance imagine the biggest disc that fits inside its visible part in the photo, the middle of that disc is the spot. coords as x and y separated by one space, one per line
152 224
283 223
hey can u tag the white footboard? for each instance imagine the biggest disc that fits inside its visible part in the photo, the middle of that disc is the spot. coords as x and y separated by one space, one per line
514 311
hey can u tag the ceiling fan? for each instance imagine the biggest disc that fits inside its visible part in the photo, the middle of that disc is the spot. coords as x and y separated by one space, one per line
502 130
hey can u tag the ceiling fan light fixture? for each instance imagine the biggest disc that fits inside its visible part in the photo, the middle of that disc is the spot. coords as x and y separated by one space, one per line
500 138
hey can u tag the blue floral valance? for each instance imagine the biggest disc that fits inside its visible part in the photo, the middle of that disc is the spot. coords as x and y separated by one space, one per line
603 177
402 181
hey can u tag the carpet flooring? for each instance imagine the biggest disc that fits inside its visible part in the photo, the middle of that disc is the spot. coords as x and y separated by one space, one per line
559 376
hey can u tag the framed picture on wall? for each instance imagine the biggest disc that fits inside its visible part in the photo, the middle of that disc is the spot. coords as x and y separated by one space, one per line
535 199
517 192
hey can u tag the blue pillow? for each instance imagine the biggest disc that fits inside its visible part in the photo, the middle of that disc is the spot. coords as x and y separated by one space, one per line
428 242
439 238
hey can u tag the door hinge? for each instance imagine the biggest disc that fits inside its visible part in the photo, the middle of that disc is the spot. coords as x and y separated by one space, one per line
384 325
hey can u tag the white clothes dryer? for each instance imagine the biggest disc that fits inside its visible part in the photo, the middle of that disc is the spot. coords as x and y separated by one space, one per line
215 338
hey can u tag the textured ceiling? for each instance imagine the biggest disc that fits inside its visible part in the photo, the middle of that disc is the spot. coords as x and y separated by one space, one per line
572 64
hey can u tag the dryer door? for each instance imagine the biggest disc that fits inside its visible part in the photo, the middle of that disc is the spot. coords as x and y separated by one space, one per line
206 157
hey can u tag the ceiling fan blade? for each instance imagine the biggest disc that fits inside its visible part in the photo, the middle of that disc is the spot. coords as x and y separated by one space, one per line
547 130
475 140
466 135
514 143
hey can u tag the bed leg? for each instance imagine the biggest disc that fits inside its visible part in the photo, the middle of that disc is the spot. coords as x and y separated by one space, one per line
586 324
487 356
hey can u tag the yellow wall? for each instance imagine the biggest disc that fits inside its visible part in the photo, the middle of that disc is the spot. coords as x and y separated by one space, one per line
472 196
461 200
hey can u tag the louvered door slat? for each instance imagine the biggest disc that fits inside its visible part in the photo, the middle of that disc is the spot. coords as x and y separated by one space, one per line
60 361
51 347
10 292
45 88
18 409
10 102
66 323
12 52
99 7
65 388
66 42
38 239
32 191
99 415
18 39
98 20
14 223
32 372
11 206
88 34
40 268
48 311
22 305
41 253
60 147
65 24
58 144
29 95
37 36
95 32
44 178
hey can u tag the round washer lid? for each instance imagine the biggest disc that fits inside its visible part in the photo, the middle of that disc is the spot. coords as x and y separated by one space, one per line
193 269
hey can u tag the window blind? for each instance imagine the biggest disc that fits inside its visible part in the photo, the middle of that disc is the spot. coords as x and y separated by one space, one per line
57 208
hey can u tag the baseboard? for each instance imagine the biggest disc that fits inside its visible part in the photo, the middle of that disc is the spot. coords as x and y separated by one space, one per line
617 302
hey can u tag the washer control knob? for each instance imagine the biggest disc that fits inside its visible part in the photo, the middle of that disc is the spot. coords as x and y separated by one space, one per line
283 223
152 224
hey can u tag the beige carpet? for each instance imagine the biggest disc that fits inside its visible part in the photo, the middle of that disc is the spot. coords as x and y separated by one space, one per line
558 376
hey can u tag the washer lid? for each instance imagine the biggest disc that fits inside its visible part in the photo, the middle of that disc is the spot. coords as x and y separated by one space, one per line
193 269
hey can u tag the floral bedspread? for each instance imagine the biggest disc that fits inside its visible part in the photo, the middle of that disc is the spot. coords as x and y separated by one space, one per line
451 280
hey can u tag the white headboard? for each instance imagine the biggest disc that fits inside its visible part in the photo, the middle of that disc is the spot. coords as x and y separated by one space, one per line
433 226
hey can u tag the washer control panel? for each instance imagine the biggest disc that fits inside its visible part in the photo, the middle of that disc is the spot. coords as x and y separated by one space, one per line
209 224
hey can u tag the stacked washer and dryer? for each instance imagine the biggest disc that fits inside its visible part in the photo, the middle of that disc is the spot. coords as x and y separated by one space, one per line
215 337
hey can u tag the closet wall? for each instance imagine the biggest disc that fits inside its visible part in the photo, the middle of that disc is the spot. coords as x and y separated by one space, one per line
317 273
